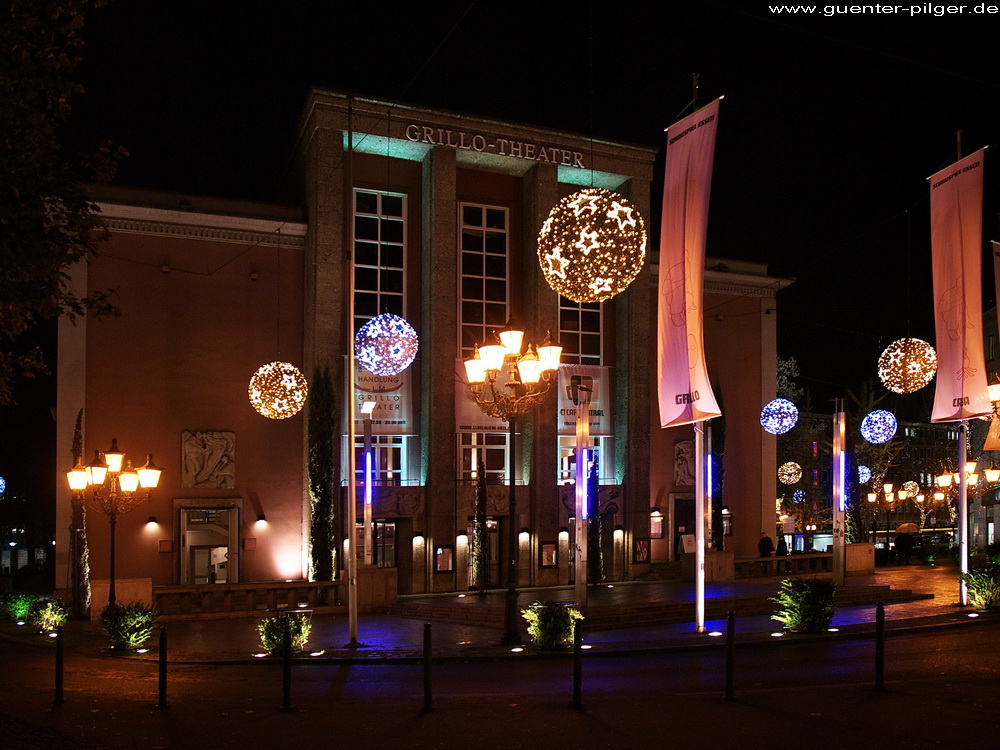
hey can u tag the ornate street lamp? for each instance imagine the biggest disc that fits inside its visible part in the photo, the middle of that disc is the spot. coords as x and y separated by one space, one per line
529 377
109 484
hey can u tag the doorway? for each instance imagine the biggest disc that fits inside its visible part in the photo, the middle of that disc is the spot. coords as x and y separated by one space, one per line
209 545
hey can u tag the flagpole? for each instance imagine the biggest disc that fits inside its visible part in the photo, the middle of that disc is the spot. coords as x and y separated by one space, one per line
962 527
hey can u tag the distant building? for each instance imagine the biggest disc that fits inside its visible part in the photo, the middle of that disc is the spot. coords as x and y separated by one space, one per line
440 213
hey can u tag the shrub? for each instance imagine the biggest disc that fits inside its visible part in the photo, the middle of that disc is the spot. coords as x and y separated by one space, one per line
128 626
18 606
47 615
983 585
550 624
271 630
805 605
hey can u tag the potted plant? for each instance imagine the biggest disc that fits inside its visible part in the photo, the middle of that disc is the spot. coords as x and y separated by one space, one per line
550 624
805 605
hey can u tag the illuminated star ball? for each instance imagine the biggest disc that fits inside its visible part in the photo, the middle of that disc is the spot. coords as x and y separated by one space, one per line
386 345
592 245
278 390
878 427
907 365
789 473
799 496
779 416
912 489
864 474
3 485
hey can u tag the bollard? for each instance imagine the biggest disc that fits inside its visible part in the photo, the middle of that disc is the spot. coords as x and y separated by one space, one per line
59 666
162 702
577 702
286 668
427 669
730 653
880 647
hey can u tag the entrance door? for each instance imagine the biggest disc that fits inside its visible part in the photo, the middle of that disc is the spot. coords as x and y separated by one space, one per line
209 540
683 522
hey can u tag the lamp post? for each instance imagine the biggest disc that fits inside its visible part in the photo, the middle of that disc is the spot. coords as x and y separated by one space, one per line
109 484
529 377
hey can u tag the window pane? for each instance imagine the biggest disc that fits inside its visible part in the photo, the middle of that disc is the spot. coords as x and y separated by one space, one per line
366 253
392 256
591 344
496 315
568 321
365 228
366 278
495 460
496 218
392 281
472 215
590 321
472 312
366 304
392 230
496 290
496 243
472 241
496 266
392 304
367 203
472 288
472 264
392 205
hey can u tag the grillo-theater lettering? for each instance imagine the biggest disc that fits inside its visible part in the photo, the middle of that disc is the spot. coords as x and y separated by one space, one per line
500 146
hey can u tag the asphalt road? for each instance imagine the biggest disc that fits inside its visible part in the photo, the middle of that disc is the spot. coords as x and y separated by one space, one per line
941 683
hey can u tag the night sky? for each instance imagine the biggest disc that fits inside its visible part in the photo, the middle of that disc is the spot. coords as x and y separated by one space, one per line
829 126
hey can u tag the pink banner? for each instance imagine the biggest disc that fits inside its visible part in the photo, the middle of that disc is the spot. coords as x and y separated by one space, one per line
956 261
685 393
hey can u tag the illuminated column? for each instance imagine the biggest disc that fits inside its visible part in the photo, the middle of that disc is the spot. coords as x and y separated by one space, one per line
582 456
839 495
369 468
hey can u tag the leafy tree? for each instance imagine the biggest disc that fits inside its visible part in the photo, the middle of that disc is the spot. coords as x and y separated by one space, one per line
47 221
324 418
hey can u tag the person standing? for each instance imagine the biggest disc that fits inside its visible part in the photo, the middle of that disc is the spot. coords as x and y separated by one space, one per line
765 547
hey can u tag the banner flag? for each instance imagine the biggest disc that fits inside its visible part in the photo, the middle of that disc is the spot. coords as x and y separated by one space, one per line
956 262
685 393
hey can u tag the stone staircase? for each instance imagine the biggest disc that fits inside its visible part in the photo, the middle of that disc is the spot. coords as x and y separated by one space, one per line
489 612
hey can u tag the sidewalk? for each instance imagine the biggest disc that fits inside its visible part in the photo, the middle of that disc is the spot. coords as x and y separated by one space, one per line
388 637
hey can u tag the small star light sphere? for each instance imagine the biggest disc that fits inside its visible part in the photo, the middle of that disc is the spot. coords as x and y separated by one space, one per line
912 489
592 245
789 473
779 416
386 345
907 365
878 427
278 390
864 474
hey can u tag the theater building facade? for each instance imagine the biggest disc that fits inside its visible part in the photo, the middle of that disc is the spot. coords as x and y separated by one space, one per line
433 216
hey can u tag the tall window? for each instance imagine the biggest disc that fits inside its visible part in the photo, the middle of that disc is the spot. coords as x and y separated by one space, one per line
580 331
483 278
483 299
379 287
379 254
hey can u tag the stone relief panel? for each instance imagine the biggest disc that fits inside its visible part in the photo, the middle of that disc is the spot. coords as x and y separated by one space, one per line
209 459
684 467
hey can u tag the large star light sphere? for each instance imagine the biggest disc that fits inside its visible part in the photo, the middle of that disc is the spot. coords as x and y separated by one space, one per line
878 427
386 345
278 390
592 245
779 416
907 365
